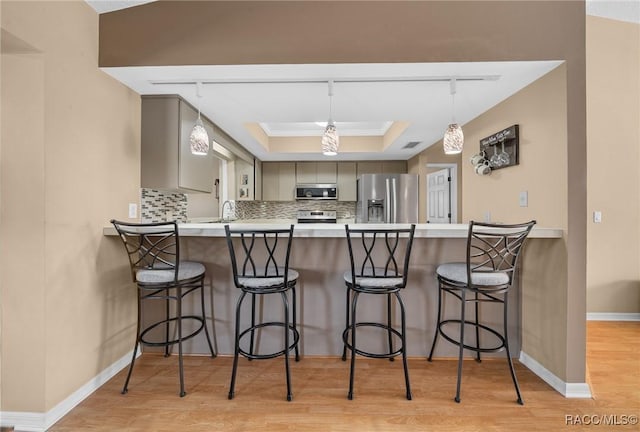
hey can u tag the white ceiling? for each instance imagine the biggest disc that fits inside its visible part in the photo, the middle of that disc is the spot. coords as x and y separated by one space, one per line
230 101
417 93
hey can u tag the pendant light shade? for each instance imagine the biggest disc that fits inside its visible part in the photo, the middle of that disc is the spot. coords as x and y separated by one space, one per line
453 137
330 138
199 139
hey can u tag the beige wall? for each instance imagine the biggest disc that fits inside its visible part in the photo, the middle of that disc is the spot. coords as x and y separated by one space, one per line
613 184
540 109
71 161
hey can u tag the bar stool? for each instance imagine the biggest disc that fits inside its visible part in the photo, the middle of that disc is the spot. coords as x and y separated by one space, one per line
379 265
260 265
154 255
491 260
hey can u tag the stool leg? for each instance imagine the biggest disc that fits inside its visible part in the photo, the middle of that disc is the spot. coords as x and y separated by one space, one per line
344 348
463 301
236 349
125 388
477 329
204 318
179 320
253 324
506 345
285 301
294 307
389 335
438 319
404 345
354 303
166 327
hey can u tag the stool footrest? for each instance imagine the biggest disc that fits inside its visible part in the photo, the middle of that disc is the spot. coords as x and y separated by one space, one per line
294 343
347 340
483 327
172 341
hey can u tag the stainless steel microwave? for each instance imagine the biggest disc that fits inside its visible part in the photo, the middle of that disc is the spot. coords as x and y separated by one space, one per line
316 192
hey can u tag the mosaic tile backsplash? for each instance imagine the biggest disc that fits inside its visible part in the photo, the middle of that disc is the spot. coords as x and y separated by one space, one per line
160 206
289 209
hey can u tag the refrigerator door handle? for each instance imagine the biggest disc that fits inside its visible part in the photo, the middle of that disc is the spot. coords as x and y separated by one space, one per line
395 200
387 203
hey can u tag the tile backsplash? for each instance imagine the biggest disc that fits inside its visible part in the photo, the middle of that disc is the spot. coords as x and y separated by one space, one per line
289 209
160 206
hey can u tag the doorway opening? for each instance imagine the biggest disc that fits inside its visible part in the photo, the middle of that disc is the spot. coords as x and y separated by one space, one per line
442 193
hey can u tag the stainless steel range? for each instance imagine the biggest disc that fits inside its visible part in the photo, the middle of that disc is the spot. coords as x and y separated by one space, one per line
316 216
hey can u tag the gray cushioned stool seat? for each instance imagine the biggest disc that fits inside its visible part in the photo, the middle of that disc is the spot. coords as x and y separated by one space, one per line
187 270
458 272
374 282
265 282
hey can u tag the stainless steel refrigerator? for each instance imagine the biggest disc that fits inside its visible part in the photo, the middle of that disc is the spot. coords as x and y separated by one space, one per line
387 198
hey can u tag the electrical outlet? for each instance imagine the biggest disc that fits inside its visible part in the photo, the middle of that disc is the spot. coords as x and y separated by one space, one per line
487 217
524 199
133 210
597 216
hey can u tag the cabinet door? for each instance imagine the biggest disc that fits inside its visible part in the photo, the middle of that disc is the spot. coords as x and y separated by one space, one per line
306 172
286 181
394 167
270 181
369 168
326 172
195 172
346 181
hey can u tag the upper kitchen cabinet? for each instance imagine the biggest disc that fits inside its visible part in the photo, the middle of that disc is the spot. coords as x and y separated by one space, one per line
167 162
278 181
382 167
346 181
316 172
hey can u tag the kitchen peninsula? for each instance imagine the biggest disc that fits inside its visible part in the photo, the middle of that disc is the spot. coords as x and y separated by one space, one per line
319 253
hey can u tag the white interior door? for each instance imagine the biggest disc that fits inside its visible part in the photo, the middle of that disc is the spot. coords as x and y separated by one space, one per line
439 196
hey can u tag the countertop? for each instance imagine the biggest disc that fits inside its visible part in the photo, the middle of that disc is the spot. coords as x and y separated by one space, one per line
425 230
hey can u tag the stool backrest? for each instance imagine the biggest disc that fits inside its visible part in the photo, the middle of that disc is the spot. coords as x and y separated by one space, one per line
380 253
259 253
495 247
150 246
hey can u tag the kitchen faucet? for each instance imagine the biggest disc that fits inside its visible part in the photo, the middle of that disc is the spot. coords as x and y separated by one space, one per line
228 218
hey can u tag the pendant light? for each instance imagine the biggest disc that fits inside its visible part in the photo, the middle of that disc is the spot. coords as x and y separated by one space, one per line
199 139
453 136
330 138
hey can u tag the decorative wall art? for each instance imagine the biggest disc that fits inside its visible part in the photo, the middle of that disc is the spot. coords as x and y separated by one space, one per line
501 149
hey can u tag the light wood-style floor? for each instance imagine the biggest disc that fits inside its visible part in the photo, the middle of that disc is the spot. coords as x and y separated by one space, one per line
320 389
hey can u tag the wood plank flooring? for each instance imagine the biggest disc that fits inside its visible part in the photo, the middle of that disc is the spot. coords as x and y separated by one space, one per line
320 389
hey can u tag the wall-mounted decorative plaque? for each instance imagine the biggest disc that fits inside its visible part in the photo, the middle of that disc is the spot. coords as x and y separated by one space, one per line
502 148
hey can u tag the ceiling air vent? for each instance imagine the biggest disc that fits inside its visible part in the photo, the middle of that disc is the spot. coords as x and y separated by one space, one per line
411 144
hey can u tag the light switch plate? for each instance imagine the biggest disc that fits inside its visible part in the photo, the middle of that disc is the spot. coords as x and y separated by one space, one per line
597 216
133 210
524 199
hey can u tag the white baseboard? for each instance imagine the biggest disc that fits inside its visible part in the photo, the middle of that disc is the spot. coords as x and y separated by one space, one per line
613 316
40 422
568 390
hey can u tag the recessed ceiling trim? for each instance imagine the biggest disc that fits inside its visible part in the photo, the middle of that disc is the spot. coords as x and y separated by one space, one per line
325 80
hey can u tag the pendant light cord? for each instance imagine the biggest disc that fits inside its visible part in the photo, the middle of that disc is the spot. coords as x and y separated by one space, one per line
198 89
330 101
452 89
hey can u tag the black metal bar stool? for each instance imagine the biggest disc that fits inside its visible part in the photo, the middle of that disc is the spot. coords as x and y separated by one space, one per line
260 264
379 265
154 256
487 274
